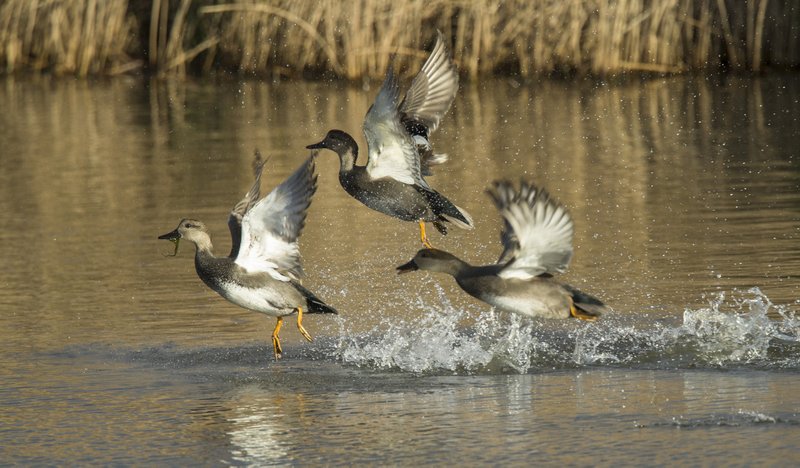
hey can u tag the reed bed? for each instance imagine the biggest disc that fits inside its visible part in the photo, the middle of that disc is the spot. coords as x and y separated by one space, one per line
78 37
357 39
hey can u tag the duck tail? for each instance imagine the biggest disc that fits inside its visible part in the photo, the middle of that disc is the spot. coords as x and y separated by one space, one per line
589 311
446 210
589 306
462 220
316 306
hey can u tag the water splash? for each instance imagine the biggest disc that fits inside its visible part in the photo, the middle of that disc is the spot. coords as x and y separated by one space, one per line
434 342
738 329
734 329
742 328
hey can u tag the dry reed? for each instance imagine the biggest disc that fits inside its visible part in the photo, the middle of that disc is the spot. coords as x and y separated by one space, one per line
356 39
78 37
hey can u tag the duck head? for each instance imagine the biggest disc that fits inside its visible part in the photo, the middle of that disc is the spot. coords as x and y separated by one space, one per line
189 229
432 260
342 144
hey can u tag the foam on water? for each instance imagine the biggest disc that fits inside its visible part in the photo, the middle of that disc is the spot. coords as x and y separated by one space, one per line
739 329
742 328
434 342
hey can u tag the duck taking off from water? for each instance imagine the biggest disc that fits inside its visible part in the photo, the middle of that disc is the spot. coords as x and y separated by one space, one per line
537 241
399 152
262 273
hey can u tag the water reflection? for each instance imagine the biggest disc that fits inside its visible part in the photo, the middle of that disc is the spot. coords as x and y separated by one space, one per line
503 419
257 423
680 189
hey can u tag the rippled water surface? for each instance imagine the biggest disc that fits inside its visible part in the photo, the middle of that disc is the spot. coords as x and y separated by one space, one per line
686 199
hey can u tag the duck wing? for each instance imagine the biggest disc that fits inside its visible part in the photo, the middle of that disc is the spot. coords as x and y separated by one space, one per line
538 231
250 199
428 99
391 150
271 228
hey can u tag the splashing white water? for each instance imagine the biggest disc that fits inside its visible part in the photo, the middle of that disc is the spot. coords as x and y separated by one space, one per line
735 330
731 330
738 330
432 342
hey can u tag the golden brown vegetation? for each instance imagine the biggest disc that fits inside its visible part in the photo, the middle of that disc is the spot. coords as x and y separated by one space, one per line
66 36
357 38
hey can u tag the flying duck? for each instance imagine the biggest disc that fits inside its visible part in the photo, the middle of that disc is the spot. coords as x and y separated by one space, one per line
399 151
537 241
262 272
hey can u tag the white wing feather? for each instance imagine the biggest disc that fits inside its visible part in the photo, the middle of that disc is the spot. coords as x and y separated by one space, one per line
244 205
392 152
271 228
538 231
433 89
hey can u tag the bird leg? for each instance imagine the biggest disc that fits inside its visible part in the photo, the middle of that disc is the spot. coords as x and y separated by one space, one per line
423 236
300 324
276 342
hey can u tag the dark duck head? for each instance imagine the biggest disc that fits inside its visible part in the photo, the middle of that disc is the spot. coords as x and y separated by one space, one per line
433 260
342 144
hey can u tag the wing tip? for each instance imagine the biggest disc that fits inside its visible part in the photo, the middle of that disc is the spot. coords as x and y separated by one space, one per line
531 207
504 194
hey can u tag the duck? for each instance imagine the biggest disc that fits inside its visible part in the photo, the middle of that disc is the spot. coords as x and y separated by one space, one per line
537 240
263 271
399 150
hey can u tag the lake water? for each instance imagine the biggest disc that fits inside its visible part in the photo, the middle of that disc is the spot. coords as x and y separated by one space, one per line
686 198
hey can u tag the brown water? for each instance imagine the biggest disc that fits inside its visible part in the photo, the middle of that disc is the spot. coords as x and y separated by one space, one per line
686 198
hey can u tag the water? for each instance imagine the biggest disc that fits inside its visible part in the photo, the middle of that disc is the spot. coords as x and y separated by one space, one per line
686 198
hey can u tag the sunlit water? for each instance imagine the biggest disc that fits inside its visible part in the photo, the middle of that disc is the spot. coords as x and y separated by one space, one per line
686 198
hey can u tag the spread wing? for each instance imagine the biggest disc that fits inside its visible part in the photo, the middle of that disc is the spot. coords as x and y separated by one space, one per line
271 228
427 100
537 236
250 199
391 150
433 90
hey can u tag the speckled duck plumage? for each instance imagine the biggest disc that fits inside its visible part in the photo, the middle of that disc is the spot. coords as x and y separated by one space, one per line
262 272
399 151
537 242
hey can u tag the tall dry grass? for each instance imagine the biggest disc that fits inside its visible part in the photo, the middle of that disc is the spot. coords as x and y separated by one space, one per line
78 37
171 47
358 38
349 39
355 39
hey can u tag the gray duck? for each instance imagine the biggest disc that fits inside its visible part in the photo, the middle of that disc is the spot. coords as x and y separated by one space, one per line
537 241
399 150
262 272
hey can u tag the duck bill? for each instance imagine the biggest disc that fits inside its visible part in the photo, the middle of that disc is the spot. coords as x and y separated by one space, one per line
175 238
320 145
171 236
407 267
